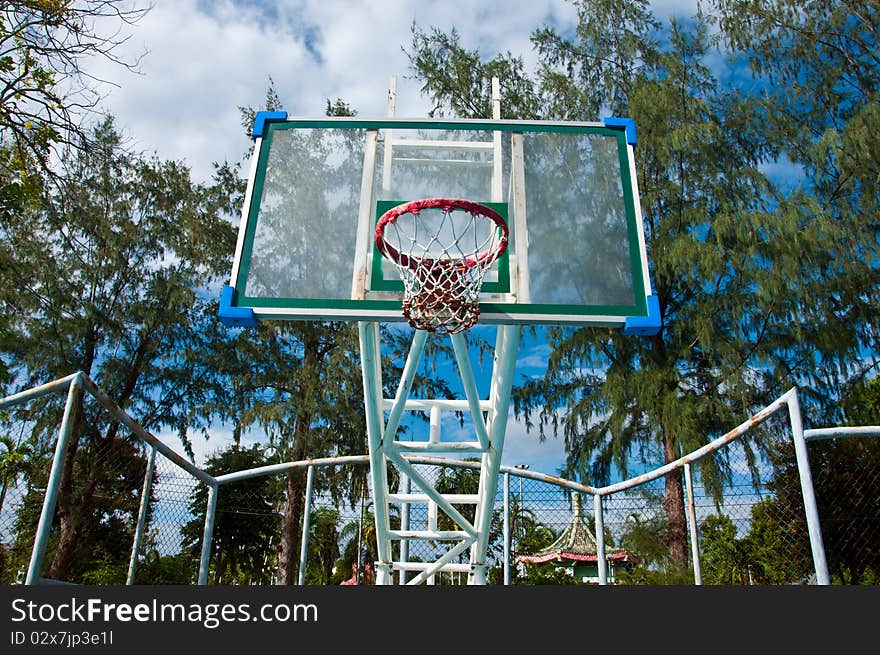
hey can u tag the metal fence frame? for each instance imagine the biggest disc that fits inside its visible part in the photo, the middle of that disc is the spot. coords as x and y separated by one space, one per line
79 383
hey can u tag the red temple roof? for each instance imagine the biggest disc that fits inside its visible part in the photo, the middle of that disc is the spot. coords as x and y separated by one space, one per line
576 543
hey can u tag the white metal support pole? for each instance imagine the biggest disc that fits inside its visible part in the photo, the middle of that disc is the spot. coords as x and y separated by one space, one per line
406 380
814 528
307 514
692 520
600 540
388 153
371 365
432 527
497 156
142 515
459 346
522 283
208 534
51 498
404 524
506 348
506 528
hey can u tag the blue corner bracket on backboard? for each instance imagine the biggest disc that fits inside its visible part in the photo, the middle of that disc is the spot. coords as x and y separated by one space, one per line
628 124
234 316
263 117
644 326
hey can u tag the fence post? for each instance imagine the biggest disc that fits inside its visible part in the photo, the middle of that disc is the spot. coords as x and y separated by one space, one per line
142 516
692 519
600 541
404 525
44 527
506 528
307 513
803 462
208 534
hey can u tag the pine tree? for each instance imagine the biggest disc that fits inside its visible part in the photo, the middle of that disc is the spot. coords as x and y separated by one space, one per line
735 263
106 280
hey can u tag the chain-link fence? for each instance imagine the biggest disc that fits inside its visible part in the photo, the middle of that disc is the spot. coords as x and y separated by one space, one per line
733 514
83 489
845 465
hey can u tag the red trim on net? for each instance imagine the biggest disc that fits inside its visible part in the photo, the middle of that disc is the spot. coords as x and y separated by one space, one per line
446 204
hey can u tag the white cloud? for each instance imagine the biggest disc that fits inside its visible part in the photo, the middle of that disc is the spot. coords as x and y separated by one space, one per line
522 447
205 58
533 357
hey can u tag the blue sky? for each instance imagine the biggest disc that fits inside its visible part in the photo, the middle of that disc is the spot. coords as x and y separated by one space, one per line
203 59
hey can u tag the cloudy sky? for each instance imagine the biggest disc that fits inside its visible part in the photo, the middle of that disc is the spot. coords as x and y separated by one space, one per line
203 59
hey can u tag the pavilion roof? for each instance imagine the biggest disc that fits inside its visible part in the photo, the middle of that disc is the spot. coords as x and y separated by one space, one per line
576 543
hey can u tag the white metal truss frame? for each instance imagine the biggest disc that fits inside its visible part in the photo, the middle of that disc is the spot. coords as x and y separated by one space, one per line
489 417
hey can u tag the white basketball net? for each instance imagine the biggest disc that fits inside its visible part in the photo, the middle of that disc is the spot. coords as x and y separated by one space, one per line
443 259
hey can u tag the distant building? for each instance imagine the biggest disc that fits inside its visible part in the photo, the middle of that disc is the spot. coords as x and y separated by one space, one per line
575 550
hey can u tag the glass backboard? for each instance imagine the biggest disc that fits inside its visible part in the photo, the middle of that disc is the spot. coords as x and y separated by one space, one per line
306 247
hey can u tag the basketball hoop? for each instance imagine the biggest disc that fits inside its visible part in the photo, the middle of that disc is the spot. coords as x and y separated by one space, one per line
442 260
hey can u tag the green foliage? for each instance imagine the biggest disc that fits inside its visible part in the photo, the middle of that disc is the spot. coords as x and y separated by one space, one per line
246 523
777 545
459 80
595 69
44 89
646 539
817 66
107 276
16 460
541 575
724 559
457 480
155 569
639 575
111 476
323 546
846 481
861 405
360 550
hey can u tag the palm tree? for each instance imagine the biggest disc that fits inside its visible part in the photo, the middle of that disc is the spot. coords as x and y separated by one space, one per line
15 459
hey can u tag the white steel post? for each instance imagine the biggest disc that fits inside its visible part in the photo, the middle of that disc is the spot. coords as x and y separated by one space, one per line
692 520
812 511
51 498
600 540
404 524
506 348
208 534
506 529
142 516
432 526
371 365
307 513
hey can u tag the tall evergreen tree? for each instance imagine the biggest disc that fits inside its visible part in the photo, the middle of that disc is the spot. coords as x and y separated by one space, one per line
818 65
106 279
733 264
